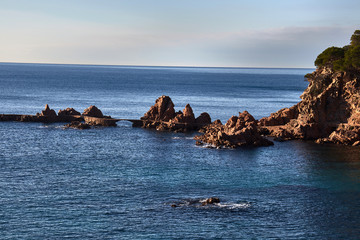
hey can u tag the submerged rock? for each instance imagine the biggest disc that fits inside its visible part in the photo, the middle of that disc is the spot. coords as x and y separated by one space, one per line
197 202
210 201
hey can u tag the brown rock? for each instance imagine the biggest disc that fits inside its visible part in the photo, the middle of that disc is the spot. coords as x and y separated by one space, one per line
217 122
187 116
203 120
93 111
163 110
238 131
68 112
48 112
162 117
328 111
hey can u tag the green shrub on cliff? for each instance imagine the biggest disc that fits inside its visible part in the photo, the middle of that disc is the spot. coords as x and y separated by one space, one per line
330 56
346 58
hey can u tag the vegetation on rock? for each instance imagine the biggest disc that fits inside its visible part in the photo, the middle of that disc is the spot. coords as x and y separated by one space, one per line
345 59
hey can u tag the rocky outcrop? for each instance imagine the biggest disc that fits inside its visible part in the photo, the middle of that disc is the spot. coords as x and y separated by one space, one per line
203 119
93 111
187 116
163 110
47 112
328 112
239 131
68 115
162 117
46 115
68 112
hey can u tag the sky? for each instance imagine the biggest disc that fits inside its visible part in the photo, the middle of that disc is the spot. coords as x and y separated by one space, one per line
209 33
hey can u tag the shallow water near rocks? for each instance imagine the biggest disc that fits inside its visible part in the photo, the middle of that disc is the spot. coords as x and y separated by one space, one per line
120 183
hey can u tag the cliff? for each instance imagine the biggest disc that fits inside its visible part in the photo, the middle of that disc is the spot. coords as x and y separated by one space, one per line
328 112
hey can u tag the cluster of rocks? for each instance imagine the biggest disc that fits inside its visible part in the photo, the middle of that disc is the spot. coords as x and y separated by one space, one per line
162 117
329 111
92 116
239 131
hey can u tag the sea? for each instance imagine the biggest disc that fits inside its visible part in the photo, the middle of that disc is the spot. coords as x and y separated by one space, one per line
133 183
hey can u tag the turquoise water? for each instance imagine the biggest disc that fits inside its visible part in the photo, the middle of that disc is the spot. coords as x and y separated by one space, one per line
120 183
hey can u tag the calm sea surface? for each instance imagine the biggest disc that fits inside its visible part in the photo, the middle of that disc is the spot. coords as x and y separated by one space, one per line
120 183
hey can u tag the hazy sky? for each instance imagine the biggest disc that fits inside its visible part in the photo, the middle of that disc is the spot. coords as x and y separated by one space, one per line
240 33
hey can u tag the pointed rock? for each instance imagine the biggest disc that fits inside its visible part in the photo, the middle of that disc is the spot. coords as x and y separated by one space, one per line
93 111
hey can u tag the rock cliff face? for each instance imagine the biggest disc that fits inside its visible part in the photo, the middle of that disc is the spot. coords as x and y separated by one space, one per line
162 116
238 131
328 112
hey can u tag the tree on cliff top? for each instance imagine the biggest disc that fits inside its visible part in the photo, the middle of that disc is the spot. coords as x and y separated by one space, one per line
355 38
346 58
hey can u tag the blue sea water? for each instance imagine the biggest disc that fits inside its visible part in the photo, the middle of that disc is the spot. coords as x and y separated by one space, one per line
120 183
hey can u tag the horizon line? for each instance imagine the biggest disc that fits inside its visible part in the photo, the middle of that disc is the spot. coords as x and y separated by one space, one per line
134 65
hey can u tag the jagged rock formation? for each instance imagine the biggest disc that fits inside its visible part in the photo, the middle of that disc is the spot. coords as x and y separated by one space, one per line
92 117
47 112
68 112
163 110
328 112
238 131
162 116
93 111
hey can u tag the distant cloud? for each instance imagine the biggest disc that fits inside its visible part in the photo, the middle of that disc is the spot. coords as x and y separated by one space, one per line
159 38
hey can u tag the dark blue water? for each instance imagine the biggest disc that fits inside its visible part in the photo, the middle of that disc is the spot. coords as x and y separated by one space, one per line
120 183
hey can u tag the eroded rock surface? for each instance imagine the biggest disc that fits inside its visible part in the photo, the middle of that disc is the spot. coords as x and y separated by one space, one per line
162 116
328 112
239 131
93 111
47 112
68 112
163 110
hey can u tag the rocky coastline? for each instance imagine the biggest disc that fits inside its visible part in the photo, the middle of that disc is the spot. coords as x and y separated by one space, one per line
329 111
